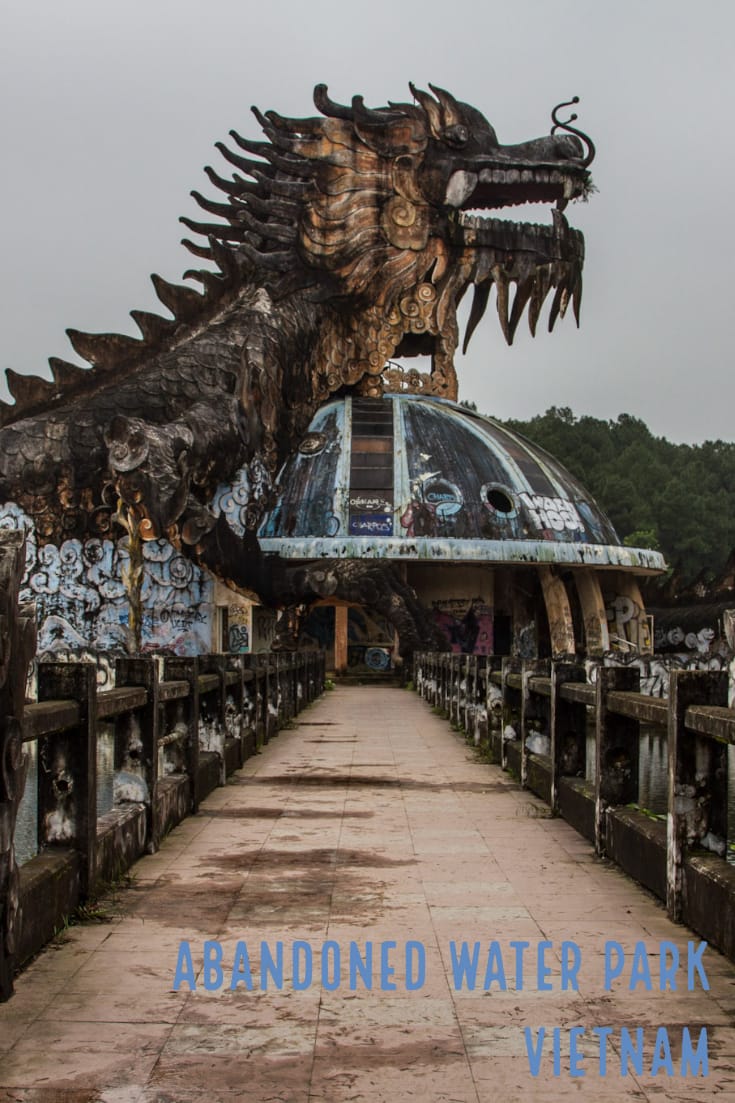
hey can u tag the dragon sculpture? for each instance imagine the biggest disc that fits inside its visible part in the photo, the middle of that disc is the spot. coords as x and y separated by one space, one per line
343 240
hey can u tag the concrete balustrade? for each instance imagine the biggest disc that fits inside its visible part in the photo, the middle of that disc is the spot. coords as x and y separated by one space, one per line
533 718
179 727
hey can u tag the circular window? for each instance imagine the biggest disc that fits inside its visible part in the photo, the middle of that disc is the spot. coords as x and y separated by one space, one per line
498 499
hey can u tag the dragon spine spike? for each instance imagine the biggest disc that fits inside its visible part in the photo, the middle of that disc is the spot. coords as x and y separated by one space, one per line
28 388
251 145
214 285
211 229
152 326
286 234
264 122
222 210
66 374
236 186
104 350
183 302
276 261
246 164
230 263
285 209
285 160
198 250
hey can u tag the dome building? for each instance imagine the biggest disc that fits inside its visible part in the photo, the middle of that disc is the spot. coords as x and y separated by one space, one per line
506 548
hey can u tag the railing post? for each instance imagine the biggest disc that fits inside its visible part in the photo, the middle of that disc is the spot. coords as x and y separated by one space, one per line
235 705
616 747
493 700
531 709
457 679
144 672
480 718
289 702
212 713
266 684
67 768
177 669
468 704
511 710
567 727
691 770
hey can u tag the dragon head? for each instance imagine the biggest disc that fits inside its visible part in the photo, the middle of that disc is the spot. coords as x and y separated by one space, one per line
373 211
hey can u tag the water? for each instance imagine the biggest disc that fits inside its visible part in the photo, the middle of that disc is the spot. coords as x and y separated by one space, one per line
653 777
26 831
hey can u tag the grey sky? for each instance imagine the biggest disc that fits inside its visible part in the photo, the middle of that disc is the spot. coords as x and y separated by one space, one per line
111 109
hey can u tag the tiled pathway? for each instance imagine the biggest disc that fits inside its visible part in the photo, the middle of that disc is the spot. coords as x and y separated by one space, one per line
369 822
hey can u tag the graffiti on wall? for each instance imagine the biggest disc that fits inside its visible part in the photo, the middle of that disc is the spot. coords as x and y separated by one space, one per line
82 604
238 628
467 624
629 626
264 628
369 640
556 514
678 639
655 671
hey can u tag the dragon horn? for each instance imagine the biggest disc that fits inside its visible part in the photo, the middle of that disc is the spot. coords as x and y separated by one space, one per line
450 108
431 109
368 114
328 107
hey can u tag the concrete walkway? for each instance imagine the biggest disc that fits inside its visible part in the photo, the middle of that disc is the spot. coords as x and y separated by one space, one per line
369 822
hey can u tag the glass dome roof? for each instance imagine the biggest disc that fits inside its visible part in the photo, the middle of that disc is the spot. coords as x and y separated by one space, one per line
413 477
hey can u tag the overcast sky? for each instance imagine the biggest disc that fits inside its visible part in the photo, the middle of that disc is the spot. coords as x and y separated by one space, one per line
110 110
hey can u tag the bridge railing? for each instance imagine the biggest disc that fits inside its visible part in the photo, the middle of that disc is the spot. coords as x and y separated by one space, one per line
571 733
115 770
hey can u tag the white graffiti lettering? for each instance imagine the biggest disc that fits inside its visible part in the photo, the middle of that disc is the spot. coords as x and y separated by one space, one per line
552 513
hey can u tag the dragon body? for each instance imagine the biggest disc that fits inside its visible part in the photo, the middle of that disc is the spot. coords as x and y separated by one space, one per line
340 241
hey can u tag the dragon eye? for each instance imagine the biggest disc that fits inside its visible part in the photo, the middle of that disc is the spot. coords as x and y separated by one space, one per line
456 135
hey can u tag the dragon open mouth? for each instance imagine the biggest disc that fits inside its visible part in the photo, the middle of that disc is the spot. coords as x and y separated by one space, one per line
509 187
532 257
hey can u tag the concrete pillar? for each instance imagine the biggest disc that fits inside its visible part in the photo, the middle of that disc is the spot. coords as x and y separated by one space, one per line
561 626
340 638
630 625
596 635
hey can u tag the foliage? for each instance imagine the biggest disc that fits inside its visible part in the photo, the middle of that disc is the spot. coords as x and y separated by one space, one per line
677 498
